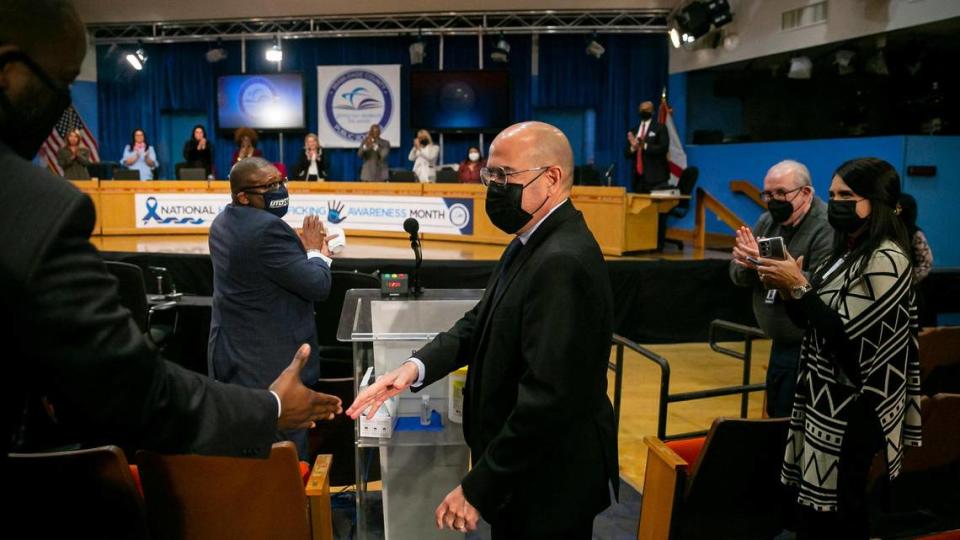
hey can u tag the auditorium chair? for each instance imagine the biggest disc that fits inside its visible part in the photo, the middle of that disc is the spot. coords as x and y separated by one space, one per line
401 175
446 175
727 488
686 183
205 498
925 496
940 360
336 375
133 295
86 493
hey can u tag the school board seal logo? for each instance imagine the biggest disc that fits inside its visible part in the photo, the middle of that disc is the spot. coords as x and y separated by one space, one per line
257 97
356 100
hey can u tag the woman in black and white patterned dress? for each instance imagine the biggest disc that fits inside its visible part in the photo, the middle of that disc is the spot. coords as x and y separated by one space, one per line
858 387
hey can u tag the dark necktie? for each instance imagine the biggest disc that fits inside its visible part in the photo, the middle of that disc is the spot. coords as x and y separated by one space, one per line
507 259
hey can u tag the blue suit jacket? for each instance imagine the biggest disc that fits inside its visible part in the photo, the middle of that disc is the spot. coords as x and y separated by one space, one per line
264 288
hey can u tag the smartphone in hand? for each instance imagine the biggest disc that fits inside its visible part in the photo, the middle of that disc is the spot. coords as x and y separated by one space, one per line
772 248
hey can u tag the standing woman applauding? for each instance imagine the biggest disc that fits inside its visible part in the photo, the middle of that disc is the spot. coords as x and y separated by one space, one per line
424 155
858 386
139 155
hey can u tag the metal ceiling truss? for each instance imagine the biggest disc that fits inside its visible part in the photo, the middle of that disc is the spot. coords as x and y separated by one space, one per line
638 21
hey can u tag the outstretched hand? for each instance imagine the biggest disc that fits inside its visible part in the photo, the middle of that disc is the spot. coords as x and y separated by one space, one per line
383 389
300 406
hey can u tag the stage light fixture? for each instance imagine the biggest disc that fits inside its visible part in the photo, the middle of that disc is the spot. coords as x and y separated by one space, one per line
675 37
418 50
217 54
843 59
275 52
697 19
137 59
594 48
801 67
501 52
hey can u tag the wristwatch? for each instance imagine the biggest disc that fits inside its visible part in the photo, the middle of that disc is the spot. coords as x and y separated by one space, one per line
797 292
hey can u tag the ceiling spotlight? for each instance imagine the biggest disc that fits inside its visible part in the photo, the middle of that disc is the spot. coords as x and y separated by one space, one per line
675 37
275 53
842 59
418 50
217 54
501 52
137 59
594 48
801 67
697 19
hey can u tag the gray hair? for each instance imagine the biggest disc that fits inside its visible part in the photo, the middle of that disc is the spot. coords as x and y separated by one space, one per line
800 172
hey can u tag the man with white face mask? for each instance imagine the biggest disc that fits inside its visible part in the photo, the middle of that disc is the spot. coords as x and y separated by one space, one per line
795 213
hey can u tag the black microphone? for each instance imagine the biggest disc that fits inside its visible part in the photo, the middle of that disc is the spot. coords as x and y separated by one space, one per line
412 227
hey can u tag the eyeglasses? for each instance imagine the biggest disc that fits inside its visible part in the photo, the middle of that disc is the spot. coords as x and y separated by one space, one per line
497 175
779 194
267 188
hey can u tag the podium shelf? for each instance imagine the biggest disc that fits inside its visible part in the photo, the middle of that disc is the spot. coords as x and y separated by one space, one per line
451 435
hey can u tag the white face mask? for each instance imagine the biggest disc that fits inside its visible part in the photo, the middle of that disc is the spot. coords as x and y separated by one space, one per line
474 156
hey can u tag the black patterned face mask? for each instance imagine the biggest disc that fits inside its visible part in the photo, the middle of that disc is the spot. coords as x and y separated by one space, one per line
843 217
505 205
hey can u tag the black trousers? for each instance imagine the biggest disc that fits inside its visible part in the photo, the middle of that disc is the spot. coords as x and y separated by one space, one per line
641 184
782 378
505 531
861 442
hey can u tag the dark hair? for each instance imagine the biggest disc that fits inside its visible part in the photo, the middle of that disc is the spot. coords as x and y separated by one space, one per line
877 181
241 171
133 138
908 213
201 128
242 132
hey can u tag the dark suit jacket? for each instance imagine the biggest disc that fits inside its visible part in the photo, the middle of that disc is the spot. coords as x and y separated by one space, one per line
264 288
67 337
303 165
536 416
656 170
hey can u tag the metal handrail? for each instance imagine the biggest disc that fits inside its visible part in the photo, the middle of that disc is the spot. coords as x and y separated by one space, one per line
750 333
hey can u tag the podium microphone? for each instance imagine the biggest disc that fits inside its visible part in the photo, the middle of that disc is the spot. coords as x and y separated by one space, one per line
412 227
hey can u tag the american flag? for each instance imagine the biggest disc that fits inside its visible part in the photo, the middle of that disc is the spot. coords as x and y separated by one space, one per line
676 157
58 139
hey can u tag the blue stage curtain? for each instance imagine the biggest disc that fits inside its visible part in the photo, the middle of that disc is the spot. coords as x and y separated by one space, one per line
633 69
176 78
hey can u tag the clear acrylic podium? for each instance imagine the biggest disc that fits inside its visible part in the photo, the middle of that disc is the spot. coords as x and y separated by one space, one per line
417 469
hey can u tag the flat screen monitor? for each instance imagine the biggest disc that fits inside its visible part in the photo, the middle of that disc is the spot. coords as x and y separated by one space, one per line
265 101
460 100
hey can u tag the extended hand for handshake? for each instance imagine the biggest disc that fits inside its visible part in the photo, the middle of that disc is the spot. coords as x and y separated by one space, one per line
300 406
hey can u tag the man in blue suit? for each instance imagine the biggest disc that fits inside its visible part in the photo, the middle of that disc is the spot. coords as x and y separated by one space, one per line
266 279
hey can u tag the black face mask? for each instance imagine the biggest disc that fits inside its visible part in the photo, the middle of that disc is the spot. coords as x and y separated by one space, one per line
424 142
646 115
780 211
843 217
26 126
505 205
